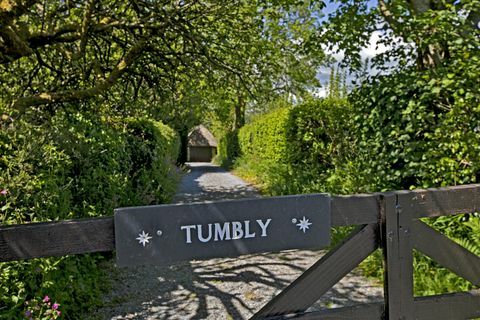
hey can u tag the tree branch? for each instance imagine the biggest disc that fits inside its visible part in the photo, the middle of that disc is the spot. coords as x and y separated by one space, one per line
85 25
23 103
386 13
419 6
11 9
12 47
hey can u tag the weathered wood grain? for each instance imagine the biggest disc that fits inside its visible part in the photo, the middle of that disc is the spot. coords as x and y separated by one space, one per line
364 208
457 306
38 240
319 278
61 238
355 210
92 235
366 311
442 201
398 258
446 252
462 305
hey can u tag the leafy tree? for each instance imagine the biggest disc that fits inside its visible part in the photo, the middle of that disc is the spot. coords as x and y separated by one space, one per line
337 86
128 53
424 33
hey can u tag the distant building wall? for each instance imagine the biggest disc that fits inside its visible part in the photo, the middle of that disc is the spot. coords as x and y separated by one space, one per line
201 154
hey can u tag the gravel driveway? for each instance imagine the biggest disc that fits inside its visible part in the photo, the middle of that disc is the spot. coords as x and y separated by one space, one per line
219 288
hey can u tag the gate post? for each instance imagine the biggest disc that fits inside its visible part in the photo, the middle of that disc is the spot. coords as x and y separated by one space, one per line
398 257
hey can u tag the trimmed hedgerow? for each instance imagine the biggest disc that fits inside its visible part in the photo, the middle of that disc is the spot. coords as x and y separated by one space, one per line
228 149
402 131
263 149
421 129
296 149
74 166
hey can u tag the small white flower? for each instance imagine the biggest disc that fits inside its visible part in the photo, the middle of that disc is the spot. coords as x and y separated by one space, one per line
143 238
304 224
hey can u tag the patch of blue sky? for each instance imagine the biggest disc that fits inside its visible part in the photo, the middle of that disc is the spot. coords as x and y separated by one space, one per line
374 48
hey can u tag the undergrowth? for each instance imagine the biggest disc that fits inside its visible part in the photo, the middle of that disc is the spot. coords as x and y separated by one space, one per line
70 166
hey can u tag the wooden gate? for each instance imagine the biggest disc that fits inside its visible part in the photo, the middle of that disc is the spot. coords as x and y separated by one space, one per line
389 221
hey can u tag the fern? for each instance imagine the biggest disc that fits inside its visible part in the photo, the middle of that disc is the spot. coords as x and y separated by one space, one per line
472 243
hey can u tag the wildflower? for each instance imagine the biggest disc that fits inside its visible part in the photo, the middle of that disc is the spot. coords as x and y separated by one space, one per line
58 313
55 306
28 313
46 299
3 192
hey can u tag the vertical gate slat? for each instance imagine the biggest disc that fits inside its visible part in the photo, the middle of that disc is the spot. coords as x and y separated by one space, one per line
398 255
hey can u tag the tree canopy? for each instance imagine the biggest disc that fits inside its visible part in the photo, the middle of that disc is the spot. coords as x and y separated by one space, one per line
126 52
423 33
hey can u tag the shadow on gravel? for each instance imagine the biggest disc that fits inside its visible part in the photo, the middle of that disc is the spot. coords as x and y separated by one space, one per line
226 288
187 291
218 288
205 283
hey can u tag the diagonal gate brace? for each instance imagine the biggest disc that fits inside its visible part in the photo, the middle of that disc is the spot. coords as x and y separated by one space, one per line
324 274
446 252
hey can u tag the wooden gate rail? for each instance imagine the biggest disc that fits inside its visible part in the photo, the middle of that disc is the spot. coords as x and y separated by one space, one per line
47 239
451 306
397 232
386 220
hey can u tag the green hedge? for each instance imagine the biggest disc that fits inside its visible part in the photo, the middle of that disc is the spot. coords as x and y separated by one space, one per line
264 138
263 149
293 150
419 129
422 129
402 131
228 149
75 166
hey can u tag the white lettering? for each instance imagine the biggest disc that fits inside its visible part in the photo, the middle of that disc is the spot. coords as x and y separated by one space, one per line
188 232
222 233
200 235
237 231
264 226
247 230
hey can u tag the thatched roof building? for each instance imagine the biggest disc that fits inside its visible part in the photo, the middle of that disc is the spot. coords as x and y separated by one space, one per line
202 145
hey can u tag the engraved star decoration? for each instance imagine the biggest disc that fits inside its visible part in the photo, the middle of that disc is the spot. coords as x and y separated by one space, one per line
143 238
304 224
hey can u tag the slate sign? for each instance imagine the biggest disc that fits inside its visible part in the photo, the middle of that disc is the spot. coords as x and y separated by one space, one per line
165 234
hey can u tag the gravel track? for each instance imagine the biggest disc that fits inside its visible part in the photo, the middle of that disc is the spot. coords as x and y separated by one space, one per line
219 288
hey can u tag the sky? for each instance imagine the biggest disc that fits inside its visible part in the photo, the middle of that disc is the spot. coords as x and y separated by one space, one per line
368 52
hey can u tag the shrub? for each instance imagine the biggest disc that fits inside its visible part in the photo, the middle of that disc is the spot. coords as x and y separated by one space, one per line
265 138
263 148
228 149
74 166
317 148
406 130
420 129
296 149
411 135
